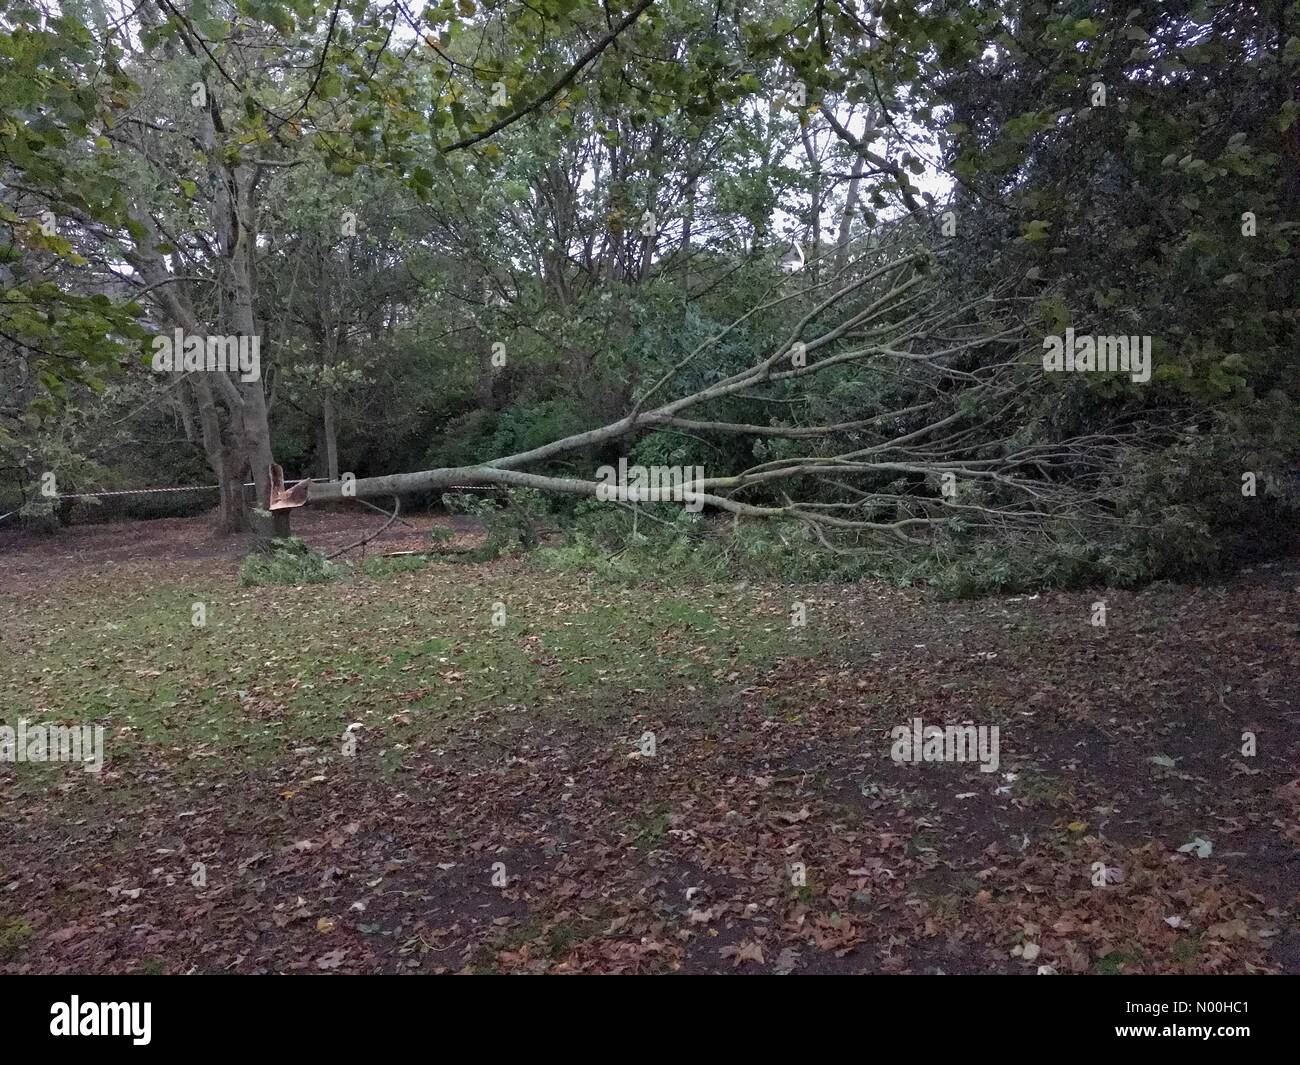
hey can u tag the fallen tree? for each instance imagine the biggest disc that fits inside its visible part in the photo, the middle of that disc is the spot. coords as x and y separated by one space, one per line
973 369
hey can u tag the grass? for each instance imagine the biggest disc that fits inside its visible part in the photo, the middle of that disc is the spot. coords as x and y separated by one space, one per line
14 933
476 739
410 653
1042 789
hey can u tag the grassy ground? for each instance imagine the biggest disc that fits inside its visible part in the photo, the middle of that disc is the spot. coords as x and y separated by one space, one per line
497 812
415 659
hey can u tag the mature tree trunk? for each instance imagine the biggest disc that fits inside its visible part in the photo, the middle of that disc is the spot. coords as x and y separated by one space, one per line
255 428
688 215
815 208
234 514
850 210
330 431
242 440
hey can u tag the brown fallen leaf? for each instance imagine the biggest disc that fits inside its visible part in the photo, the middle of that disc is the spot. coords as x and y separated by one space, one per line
1234 929
745 952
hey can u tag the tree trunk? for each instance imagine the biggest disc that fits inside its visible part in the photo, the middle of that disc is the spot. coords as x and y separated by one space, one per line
815 222
234 515
688 219
850 210
225 461
331 437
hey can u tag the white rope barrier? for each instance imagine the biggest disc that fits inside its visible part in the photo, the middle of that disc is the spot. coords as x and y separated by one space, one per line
152 491
215 487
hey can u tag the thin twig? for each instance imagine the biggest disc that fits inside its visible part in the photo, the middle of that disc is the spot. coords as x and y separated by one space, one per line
397 506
